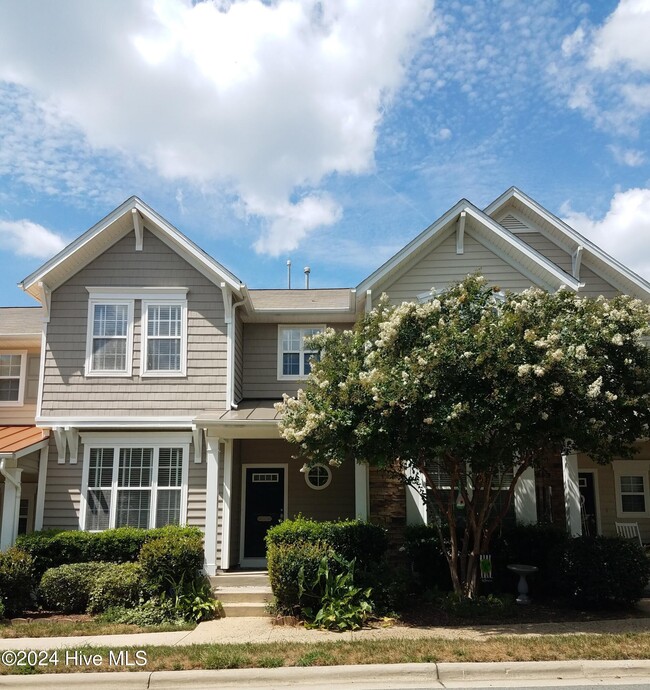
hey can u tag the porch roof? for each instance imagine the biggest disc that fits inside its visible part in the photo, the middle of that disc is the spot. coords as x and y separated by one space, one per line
16 441
251 419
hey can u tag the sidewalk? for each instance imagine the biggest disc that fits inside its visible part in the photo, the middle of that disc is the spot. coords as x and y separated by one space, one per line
242 630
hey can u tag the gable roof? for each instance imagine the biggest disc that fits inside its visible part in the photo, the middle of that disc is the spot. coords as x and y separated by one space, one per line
109 230
613 271
523 257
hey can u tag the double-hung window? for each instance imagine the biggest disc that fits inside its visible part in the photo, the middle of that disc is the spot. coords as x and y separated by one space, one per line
164 334
141 484
110 338
632 491
12 377
294 353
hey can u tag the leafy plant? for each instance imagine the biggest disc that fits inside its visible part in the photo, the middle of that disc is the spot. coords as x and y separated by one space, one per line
16 580
480 607
342 605
195 601
155 611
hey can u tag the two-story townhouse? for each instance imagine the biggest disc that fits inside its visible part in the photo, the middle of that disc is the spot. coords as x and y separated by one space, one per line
160 368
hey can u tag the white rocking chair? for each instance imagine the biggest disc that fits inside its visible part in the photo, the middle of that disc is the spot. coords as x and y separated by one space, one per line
629 530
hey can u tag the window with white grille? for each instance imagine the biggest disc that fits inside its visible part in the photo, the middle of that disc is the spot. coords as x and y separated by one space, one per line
110 338
12 377
294 354
139 486
164 342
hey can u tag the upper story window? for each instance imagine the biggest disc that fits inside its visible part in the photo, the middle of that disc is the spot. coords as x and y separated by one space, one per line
164 336
293 353
160 332
12 377
110 341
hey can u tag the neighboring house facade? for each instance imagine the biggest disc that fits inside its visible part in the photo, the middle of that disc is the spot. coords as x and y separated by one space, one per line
159 368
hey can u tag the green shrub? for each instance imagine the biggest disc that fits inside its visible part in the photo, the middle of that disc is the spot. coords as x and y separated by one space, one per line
597 571
118 584
16 580
154 611
2 610
170 559
479 607
425 553
338 603
285 563
350 539
67 588
52 548
539 545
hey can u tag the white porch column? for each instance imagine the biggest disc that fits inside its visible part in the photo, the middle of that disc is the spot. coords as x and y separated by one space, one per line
526 499
10 506
361 503
571 494
211 504
40 491
227 504
416 508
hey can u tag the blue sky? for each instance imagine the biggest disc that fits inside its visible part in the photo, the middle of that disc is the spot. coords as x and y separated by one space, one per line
329 133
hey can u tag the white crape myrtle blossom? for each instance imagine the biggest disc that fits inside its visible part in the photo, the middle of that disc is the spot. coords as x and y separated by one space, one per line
594 388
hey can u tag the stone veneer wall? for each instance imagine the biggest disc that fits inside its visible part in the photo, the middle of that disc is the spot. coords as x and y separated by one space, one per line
388 508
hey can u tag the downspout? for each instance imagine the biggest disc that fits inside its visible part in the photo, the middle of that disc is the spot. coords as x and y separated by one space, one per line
18 487
233 341
231 332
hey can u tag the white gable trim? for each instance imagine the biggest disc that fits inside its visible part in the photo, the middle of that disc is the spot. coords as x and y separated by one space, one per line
527 260
575 240
158 225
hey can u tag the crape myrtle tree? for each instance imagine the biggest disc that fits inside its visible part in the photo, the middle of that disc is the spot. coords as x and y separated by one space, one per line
476 386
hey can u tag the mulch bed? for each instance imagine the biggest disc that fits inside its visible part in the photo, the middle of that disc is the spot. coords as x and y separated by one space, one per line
51 616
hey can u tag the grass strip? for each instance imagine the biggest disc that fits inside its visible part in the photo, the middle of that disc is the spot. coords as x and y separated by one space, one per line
277 654
36 628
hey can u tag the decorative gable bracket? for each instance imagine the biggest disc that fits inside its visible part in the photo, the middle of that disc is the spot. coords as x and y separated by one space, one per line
576 261
66 438
460 233
197 437
138 228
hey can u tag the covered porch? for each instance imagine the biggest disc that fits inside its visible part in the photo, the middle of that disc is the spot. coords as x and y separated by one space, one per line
253 482
23 462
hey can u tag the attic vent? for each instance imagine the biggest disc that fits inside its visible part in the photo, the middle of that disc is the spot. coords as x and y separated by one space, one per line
512 223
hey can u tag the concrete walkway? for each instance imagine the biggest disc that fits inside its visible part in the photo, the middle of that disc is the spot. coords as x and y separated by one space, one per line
242 630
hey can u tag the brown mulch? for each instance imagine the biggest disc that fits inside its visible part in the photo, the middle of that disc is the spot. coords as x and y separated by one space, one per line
52 616
424 614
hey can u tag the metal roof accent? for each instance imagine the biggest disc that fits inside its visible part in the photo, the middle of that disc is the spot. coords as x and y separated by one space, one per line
14 439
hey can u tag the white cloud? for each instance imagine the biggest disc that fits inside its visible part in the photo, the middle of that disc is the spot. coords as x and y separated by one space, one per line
624 37
30 239
623 232
291 223
263 98
630 157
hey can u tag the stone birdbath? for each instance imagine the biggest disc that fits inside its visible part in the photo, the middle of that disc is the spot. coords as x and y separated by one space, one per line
523 570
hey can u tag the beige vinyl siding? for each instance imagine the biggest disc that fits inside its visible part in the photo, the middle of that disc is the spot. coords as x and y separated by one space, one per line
442 266
261 363
547 249
196 490
595 285
62 491
606 493
235 504
25 413
239 358
67 392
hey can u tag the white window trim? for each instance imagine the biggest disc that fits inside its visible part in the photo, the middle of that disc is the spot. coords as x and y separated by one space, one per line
631 468
176 301
160 440
293 326
92 302
315 487
21 383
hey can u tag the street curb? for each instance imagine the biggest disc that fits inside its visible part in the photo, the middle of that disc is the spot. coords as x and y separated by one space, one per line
365 673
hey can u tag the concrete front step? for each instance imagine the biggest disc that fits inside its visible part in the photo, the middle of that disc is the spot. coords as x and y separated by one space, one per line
245 610
243 593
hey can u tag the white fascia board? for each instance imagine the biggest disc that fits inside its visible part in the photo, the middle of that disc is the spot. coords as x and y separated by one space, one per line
116 422
549 269
576 238
196 256
77 244
392 263
191 252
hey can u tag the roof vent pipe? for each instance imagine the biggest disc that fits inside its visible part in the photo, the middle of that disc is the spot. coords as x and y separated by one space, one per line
307 272
289 274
